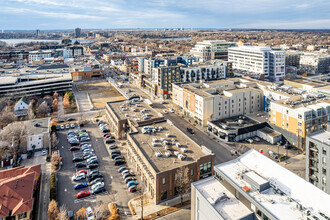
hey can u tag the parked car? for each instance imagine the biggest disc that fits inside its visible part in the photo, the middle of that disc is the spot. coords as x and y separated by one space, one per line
70 119
93 162
100 179
70 215
115 155
74 148
98 189
60 121
94 176
126 175
110 141
107 136
124 172
112 146
97 185
77 159
104 135
89 213
132 189
119 157
92 173
89 156
73 125
58 127
92 158
106 130
132 183
44 152
80 164
119 162
78 177
128 179
62 127
67 126
165 112
80 185
84 139
121 169
92 166
81 171
83 194
171 110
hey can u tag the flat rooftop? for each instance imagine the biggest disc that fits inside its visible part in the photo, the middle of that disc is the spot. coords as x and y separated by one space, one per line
133 111
310 82
163 163
322 136
33 129
235 122
230 208
286 193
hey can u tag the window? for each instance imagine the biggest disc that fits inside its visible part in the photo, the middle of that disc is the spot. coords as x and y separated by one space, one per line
164 181
299 123
259 213
22 215
299 116
192 172
324 171
324 161
324 180
324 151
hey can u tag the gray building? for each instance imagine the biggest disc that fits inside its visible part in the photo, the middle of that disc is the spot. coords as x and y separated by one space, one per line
77 32
318 160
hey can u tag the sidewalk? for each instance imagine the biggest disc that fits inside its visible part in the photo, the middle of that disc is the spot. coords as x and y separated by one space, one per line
44 191
151 210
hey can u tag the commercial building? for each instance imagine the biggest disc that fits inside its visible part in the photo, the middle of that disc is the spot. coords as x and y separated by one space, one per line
87 74
163 77
297 118
264 187
77 32
314 63
259 60
211 49
76 50
292 58
39 55
318 160
159 151
215 100
18 188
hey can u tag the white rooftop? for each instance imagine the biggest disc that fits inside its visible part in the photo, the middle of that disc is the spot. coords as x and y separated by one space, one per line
287 191
230 208
322 136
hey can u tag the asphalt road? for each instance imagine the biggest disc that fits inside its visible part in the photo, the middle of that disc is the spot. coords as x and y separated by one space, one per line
222 154
116 190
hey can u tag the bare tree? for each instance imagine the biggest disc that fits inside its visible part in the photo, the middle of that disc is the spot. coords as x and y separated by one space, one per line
54 140
52 210
101 212
7 117
13 135
55 161
62 215
43 108
183 181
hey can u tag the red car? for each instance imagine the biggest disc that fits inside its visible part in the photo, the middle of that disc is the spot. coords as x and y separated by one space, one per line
81 171
74 148
107 136
83 194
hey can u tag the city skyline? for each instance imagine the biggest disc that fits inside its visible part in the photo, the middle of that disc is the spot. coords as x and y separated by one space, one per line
59 14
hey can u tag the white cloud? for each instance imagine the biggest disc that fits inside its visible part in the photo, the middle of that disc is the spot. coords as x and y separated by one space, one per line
303 24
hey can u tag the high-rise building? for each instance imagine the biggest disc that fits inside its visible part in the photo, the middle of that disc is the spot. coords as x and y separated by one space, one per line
77 32
37 32
318 160
253 186
212 49
259 60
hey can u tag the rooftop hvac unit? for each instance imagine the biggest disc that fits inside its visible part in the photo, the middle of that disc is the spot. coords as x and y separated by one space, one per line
162 139
168 135
178 144
183 150
165 142
176 153
154 144
158 154
167 154
154 139
181 156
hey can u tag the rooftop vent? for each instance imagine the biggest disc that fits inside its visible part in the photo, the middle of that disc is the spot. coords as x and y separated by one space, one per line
257 182
219 198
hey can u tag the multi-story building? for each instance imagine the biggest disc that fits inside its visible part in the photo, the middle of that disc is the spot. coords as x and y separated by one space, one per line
256 187
215 100
163 77
212 49
159 152
150 64
141 64
76 50
313 63
318 160
77 32
39 55
297 118
292 58
259 60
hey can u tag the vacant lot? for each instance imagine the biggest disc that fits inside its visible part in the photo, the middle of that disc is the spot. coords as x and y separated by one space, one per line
100 93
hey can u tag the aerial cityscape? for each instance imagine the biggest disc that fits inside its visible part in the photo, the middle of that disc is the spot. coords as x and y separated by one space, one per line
201 110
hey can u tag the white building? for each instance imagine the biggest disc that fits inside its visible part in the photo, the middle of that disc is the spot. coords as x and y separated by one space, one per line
39 55
195 73
215 100
21 107
259 60
141 64
254 183
211 49
314 63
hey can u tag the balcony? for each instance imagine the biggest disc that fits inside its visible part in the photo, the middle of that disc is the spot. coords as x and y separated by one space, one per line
313 177
314 159
314 168
314 149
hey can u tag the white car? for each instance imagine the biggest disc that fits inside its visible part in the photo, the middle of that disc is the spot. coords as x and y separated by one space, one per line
97 185
89 213
43 152
78 177
73 126
92 158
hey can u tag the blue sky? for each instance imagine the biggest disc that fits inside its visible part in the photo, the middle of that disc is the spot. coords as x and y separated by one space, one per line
98 14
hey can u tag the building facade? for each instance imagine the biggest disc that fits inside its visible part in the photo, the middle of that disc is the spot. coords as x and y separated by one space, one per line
211 49
39 55
313 63
318 160
259 60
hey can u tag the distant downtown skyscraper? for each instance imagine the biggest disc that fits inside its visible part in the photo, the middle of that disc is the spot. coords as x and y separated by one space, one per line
78 32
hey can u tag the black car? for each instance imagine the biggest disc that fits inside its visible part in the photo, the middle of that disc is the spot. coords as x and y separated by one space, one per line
106 130
127 175
112 146
119 162
29 154
92 166
77 159
115 155
110 141
191 131
105 134
118 158
81 125
60 121
94 176
70 119
100 179
57 128
79 164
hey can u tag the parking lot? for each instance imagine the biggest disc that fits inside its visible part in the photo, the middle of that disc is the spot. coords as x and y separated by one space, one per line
115 188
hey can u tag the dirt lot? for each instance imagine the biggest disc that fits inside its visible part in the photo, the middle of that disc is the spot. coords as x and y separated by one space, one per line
100 93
